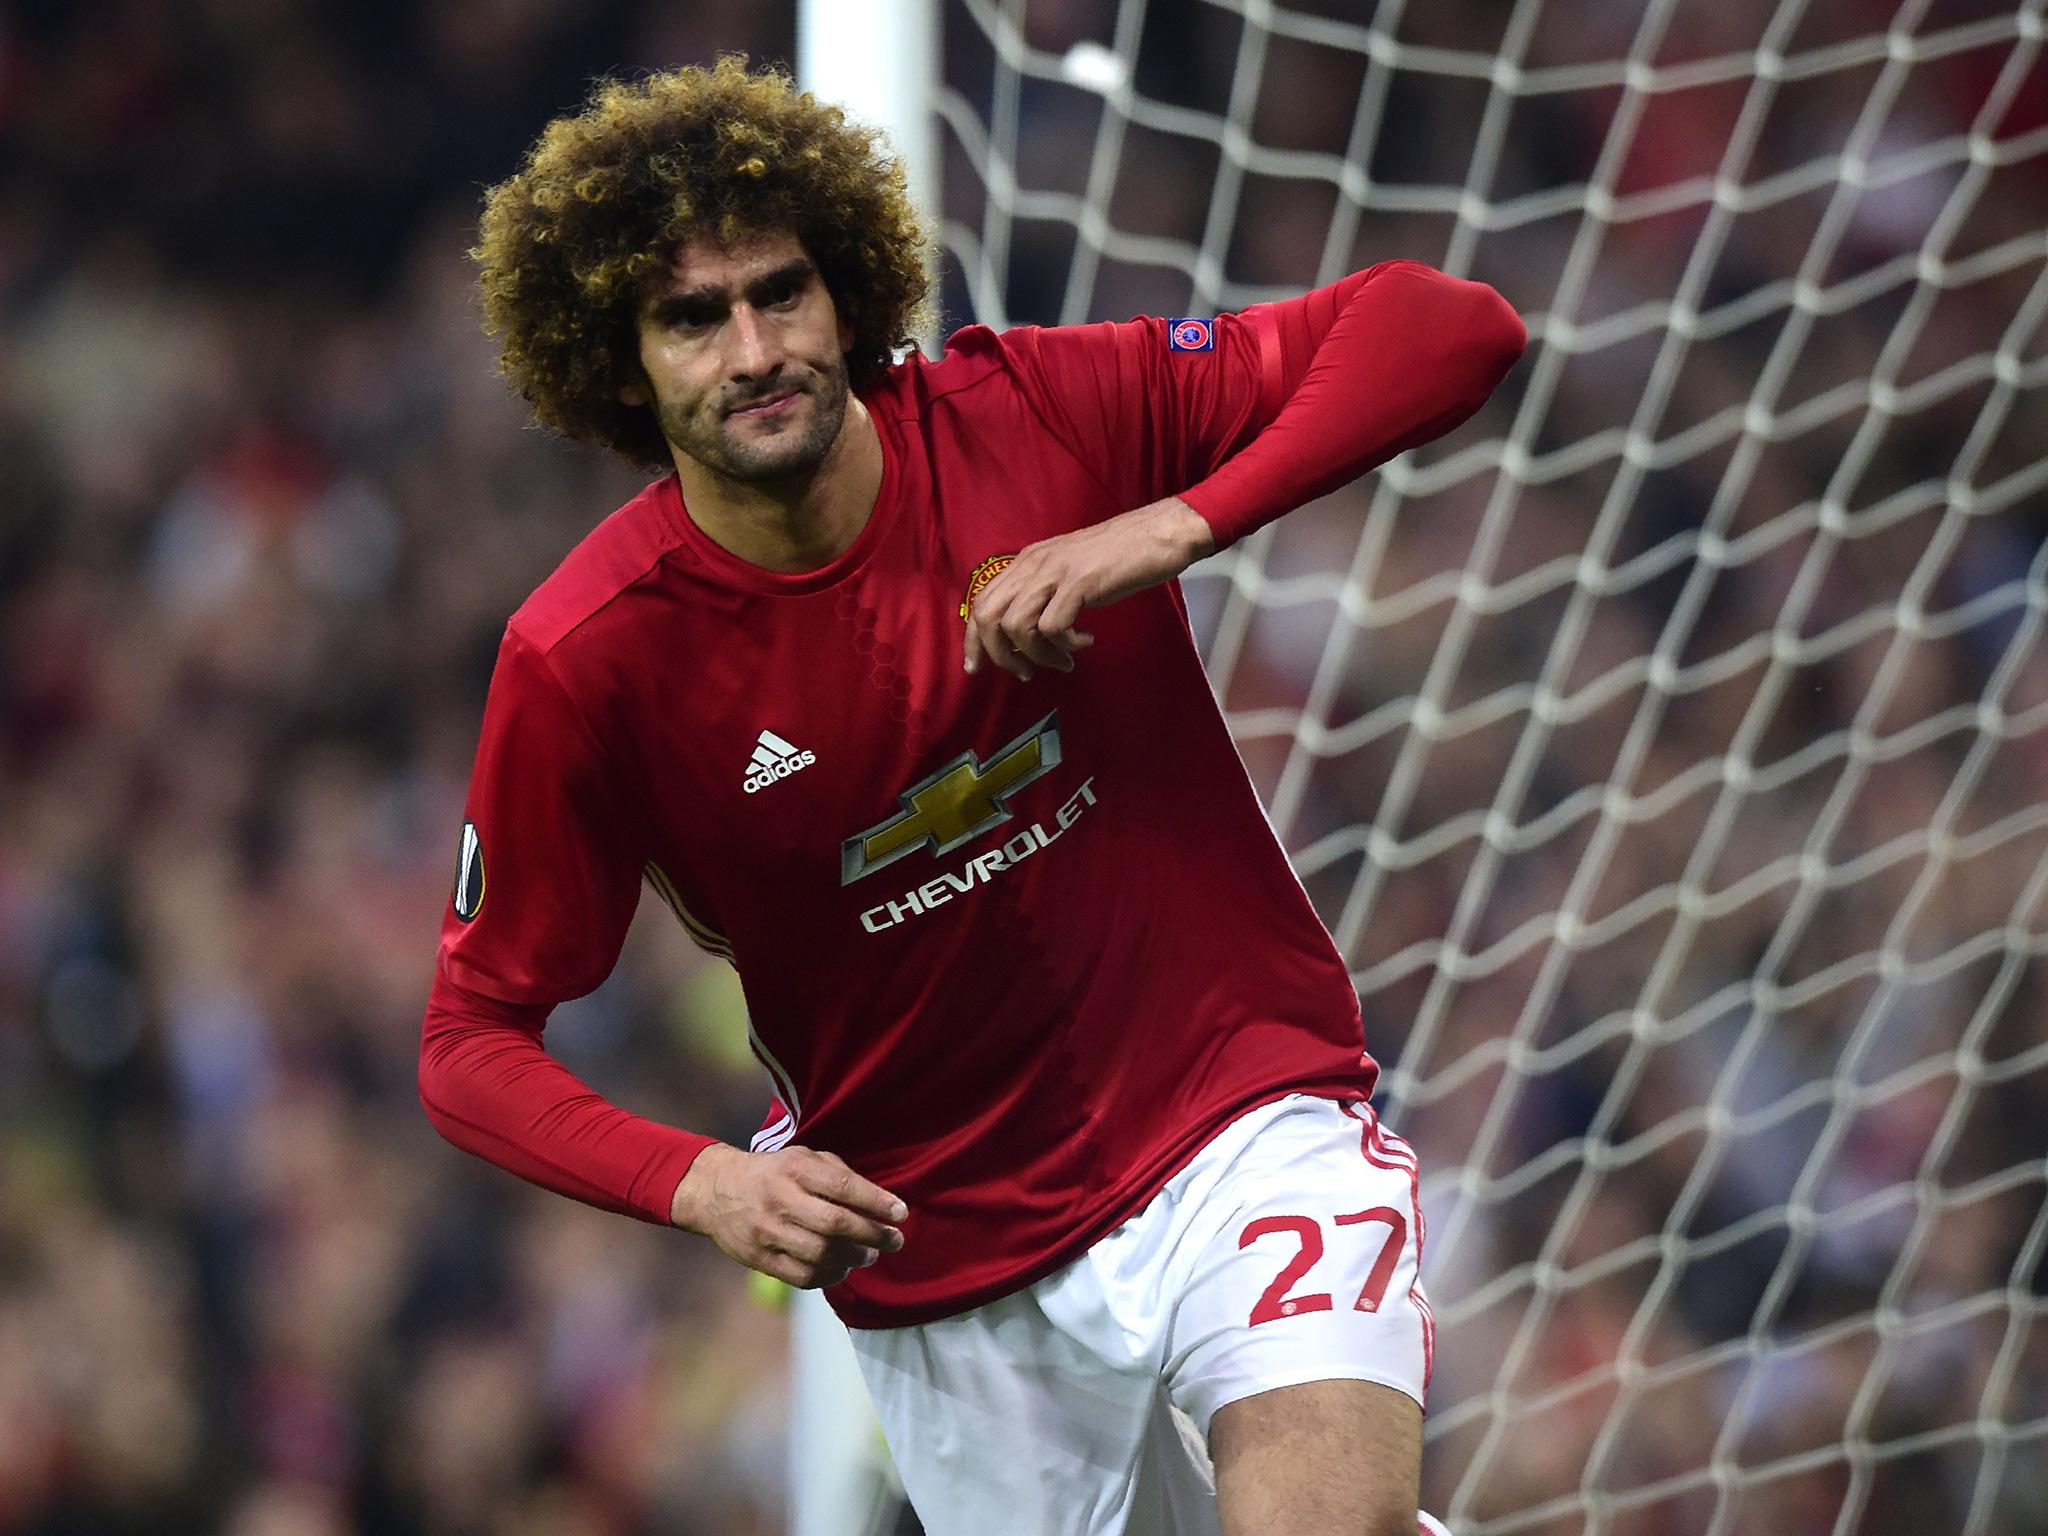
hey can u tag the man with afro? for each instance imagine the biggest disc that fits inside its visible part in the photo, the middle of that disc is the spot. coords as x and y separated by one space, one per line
1071 1102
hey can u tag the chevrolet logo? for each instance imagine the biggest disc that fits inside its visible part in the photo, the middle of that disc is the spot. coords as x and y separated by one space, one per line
960 801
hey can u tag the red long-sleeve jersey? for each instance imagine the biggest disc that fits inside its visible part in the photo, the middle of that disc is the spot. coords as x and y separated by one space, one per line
1013 950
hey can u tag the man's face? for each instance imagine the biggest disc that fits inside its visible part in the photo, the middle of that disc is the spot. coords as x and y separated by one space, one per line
746 358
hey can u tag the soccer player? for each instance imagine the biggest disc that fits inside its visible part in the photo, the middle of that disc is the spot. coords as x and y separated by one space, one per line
1070 1091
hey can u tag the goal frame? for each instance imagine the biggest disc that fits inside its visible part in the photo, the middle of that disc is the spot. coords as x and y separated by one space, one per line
857 52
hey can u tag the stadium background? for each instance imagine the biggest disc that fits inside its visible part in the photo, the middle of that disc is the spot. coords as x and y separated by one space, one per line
264 507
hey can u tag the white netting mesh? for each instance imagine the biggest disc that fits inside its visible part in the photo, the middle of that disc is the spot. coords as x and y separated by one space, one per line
1664 751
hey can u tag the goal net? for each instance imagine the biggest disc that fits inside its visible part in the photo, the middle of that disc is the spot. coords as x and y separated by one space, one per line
1665 749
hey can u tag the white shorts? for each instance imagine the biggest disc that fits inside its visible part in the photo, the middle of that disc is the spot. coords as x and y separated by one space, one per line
1288 1251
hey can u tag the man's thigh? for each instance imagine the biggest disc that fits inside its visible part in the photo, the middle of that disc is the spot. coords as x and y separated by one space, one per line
1327 1458
1301 1338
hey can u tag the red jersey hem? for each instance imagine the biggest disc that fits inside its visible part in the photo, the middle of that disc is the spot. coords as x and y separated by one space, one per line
1122 1201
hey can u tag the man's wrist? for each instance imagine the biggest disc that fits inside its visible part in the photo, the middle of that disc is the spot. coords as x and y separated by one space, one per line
1188 529
689 1207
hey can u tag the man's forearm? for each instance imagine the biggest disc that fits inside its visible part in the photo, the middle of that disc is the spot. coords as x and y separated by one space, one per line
490 1087
1407 355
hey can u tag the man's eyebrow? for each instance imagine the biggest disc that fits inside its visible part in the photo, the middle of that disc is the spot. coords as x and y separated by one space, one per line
698 300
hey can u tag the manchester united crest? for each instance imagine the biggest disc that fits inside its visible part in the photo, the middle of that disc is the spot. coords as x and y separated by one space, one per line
984 573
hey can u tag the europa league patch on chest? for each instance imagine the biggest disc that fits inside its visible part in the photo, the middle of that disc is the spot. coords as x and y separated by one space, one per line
469 874
1191 335
984 573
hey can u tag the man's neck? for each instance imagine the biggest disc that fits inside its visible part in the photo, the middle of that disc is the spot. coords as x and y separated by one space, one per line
798 524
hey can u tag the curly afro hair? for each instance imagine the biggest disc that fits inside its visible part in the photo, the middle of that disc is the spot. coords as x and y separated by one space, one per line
607 196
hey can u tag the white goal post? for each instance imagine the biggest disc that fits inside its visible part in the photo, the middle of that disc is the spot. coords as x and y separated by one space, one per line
879 60
1668 750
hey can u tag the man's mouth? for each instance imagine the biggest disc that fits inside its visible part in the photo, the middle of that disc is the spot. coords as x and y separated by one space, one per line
771 406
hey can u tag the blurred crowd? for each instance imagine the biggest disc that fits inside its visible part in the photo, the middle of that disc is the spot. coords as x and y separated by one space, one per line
264 508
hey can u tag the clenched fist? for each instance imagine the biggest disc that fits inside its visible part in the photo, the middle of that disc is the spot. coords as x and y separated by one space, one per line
802 1216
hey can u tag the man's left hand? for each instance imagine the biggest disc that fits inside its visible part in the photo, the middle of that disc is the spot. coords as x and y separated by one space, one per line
1026 616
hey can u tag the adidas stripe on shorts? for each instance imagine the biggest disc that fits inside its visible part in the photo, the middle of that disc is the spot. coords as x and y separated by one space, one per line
1288 1251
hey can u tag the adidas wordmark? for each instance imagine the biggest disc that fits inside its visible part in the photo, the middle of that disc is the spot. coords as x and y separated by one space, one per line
774 759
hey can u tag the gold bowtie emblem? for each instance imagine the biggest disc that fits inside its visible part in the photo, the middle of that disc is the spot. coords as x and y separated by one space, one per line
963 799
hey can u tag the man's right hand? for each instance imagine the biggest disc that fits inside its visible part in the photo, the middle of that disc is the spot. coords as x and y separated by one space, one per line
802 1216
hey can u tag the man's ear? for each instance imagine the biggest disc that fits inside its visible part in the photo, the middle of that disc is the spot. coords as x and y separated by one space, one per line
632 394
845 338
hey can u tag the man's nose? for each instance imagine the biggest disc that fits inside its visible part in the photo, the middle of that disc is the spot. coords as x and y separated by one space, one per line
755 350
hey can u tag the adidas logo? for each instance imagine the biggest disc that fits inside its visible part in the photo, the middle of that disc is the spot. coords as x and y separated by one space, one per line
774 759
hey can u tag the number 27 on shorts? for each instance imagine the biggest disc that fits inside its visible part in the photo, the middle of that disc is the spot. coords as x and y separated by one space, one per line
1277 1301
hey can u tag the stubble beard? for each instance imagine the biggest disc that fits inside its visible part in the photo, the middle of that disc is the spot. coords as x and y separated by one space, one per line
708 435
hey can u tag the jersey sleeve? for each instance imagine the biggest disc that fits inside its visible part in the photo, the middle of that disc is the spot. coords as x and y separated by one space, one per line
1290 401
547 879
551 850
1146 421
